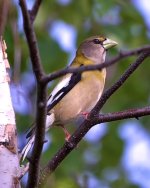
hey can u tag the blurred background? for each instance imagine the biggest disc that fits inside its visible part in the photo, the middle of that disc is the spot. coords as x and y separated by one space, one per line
112 155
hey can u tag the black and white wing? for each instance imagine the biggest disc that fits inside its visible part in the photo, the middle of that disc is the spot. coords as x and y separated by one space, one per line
62 88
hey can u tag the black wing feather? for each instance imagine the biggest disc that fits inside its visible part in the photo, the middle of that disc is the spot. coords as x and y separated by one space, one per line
75 78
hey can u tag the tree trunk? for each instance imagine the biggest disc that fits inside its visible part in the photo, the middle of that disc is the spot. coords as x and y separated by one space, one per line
9 161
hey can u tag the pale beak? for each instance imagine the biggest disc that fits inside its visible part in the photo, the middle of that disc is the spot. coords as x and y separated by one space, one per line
108 43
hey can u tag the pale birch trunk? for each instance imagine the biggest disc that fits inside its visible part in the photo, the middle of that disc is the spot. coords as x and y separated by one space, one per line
9 161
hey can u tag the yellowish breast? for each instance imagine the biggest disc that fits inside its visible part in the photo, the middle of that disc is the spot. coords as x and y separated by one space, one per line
82 98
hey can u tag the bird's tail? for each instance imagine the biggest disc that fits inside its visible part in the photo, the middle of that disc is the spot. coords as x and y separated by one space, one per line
31 135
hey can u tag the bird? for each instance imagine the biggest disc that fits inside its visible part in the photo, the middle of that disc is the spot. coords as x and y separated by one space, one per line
76 94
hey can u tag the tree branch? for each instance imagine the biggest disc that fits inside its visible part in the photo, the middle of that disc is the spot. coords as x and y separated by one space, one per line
41 98
32 42
119 57
34 10
101 118
130 113
87 124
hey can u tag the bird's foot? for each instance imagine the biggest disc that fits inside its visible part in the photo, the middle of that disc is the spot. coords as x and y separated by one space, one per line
85 115
67 134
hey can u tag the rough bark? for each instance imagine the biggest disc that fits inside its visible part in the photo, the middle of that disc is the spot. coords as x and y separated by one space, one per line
9 161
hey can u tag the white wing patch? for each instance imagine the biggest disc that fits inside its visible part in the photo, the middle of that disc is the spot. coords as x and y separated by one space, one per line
63 83
49 121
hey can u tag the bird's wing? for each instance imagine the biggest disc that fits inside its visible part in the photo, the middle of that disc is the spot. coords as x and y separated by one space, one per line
57 90
62 88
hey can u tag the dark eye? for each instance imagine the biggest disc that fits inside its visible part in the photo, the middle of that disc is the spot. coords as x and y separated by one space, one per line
96 41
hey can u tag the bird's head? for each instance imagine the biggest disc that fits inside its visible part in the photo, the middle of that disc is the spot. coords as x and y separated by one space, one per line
94 48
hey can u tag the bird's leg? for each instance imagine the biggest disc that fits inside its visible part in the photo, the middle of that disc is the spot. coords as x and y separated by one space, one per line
85 115
67 134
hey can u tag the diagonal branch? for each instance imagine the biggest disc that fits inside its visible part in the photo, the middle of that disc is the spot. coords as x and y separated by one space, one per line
101 118
33 12
41 98
87 124
119 57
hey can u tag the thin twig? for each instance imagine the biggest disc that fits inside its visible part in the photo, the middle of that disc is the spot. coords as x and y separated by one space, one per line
130 113
33 12
87 124
119 57
32 42
41 98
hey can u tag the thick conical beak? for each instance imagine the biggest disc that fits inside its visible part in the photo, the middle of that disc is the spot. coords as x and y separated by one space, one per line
108 43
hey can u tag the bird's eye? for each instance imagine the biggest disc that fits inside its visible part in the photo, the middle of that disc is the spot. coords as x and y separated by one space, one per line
96 41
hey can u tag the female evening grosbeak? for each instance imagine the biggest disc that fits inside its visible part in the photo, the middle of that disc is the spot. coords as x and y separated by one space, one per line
84 94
